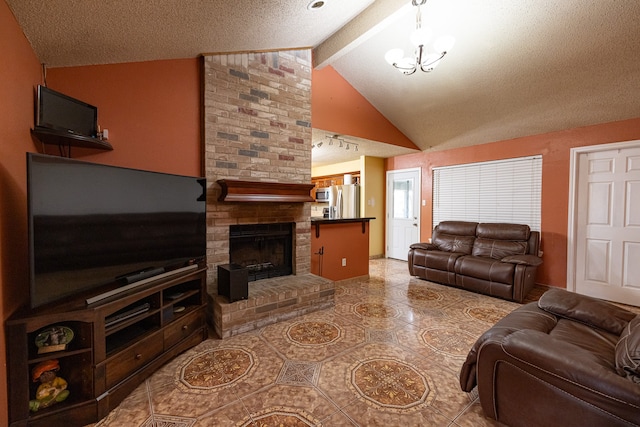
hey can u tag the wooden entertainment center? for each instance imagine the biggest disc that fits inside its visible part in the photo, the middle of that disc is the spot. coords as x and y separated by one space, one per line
117 343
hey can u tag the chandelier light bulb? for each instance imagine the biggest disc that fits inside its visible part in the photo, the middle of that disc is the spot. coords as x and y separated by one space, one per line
444 44
394 55
406 62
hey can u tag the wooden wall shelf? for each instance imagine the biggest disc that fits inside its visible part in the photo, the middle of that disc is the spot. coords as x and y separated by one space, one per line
56 137
257 191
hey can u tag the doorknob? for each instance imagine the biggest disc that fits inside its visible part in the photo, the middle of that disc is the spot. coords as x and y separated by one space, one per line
415 225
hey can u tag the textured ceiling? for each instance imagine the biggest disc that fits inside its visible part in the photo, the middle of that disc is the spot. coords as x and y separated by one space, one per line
519 67
80 32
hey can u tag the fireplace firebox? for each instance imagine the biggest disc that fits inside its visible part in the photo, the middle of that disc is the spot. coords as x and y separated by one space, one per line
265 250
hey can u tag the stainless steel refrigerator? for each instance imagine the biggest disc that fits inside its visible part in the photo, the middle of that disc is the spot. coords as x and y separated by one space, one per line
348 202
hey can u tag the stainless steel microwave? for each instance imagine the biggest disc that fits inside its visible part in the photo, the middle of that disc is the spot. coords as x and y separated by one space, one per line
322 194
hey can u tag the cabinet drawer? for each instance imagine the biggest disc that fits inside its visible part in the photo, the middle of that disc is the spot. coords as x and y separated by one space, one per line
131 359
182 328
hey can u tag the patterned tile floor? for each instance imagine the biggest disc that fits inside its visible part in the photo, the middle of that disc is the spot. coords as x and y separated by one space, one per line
388 354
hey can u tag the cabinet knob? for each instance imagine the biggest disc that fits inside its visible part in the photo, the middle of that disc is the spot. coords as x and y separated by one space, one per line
138 356
185 327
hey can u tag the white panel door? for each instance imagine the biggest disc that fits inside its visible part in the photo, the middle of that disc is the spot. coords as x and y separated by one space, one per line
608 225
403 212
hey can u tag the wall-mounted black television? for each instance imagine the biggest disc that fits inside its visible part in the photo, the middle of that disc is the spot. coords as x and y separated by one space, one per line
95 227
63 113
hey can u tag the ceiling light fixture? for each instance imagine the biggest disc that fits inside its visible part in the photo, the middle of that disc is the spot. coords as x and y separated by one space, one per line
420 37
341 143
316 4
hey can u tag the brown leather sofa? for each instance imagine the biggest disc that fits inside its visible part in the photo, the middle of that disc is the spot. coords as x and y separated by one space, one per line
567 360
494 259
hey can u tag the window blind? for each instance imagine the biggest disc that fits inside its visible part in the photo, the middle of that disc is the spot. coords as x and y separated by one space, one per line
497 191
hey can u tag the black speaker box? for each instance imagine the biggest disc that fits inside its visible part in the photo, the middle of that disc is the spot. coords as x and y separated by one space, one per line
233 282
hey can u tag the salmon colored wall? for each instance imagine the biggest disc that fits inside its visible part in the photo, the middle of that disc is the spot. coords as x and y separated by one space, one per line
19 74
151 109
555 150
341 240
338 107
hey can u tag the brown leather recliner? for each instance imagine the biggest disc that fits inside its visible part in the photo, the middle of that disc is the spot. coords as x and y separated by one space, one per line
567 360
494 259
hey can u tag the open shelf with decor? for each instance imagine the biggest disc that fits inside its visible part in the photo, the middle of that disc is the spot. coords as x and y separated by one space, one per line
60 340
103 351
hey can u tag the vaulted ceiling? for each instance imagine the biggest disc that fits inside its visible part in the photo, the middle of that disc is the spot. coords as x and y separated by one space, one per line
518 68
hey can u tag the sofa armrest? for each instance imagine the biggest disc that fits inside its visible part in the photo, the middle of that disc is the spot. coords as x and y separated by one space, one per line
587 310
560 375
564 362
529 316
530 260
423 245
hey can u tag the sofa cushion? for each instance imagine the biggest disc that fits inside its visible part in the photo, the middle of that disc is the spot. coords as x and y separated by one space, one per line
452 243
486 269
501 231
458 228
440 260
498 249
597 342
628 351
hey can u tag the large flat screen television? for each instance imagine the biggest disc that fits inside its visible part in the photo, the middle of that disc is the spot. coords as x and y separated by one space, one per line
95 227
63 113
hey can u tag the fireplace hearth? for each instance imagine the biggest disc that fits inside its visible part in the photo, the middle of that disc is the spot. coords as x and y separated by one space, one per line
265 250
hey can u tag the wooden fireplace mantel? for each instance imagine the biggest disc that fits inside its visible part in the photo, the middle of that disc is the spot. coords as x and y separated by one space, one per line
257 191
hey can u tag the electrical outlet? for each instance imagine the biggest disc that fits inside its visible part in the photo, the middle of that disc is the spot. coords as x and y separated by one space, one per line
344 262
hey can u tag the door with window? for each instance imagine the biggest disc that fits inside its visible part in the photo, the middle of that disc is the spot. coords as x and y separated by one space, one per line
606 222
403 212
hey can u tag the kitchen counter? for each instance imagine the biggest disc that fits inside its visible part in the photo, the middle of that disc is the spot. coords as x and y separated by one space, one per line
340 248
317 221
323 220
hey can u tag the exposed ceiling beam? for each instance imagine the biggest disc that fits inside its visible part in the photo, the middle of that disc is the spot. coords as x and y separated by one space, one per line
371 21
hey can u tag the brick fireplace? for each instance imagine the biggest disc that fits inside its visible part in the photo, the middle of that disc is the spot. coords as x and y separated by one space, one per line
257 127
264 250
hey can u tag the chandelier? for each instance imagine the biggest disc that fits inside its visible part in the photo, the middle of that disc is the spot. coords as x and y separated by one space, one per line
421 58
